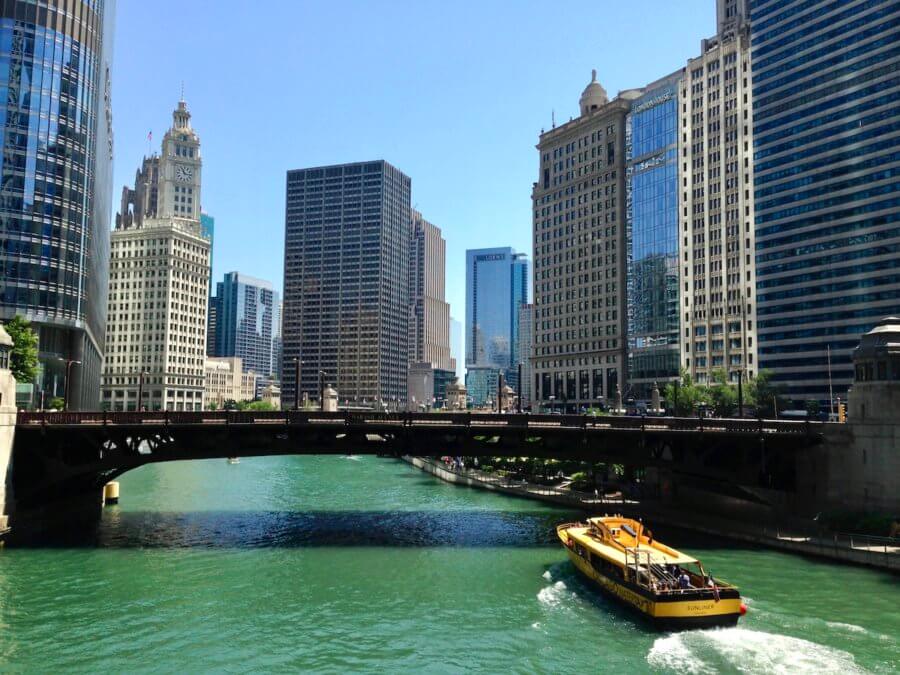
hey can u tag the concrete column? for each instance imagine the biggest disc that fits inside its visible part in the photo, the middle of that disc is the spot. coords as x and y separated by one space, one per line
7 431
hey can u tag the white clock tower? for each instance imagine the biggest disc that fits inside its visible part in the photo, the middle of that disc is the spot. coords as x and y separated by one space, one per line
179 170
159 283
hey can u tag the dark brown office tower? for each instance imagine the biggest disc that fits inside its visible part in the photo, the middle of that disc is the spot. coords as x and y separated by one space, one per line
346 304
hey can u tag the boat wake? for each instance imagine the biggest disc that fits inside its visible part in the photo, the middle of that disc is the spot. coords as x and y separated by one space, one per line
555 595
746 651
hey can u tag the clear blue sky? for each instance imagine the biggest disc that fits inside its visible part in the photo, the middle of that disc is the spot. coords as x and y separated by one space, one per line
452 93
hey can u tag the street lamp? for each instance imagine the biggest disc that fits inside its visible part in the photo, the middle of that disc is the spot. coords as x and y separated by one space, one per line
552 399
297 363
140 390
322 375
68 363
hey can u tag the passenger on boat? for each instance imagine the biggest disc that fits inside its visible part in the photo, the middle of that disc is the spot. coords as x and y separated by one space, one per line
684 581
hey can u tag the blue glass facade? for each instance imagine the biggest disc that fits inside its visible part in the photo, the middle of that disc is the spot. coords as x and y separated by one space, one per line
496 284
827 184
55 180
652 238
245 315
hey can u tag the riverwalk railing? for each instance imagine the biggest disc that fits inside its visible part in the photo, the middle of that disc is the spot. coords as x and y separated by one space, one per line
472 421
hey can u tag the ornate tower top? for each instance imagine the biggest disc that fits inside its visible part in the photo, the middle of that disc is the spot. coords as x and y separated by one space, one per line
181 117
593 96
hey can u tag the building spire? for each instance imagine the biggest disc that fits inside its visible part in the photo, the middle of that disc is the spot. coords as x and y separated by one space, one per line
182 91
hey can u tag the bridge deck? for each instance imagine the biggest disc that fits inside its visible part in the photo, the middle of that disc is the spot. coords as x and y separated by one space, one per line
379 420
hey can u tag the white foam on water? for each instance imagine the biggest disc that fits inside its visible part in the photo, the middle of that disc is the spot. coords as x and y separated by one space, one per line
547 575
747 651
851 627
553 595
670 653
355 458
536 625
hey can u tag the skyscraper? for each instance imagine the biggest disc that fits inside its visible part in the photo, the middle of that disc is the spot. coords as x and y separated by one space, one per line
525 349
652 237
825 117
159 282
429 320
55 181
245 321
718 271
496 284
346 300
580 253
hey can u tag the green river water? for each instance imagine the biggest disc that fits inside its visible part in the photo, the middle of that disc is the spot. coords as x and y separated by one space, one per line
336 564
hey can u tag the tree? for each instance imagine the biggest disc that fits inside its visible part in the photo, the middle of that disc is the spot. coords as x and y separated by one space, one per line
722 394
685 398
23 360
764 395
812 408
212 405
260 405
57 403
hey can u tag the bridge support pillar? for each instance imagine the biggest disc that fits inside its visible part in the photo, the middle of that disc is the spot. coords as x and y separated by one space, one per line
7 432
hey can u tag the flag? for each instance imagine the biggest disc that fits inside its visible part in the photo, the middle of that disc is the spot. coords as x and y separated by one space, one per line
149 135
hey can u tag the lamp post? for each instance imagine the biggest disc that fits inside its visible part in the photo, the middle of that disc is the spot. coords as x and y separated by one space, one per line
551 398
297 363
68 363
741 393
322 375
521 389
140 400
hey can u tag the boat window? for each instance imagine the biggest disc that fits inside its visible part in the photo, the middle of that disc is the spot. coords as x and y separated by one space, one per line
628 529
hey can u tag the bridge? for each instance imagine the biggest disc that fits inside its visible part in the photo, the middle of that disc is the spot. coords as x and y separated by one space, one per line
63 457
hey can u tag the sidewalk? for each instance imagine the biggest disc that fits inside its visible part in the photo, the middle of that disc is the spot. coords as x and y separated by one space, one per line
879 552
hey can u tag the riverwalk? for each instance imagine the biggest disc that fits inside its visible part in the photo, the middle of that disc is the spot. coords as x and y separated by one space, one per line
878 552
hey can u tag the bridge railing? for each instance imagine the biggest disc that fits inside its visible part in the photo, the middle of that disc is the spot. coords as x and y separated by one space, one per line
442 419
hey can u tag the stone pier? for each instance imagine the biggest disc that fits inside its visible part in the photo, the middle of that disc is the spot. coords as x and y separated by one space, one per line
7 431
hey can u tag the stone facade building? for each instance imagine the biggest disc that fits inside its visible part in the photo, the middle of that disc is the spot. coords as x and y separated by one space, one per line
717 215
159 283
429 317
225 380
579 254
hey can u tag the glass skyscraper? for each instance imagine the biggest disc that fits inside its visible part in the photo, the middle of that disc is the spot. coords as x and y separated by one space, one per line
496 284
245 321
651 190
826 116
55 181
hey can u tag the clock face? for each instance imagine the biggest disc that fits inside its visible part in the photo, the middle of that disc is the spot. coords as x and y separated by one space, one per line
184 173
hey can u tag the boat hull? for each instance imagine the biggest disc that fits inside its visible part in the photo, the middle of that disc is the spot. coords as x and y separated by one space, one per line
674 612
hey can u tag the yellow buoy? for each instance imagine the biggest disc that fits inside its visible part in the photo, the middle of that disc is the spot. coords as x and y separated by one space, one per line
111 492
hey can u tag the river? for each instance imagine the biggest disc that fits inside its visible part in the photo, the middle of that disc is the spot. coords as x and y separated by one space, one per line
339 564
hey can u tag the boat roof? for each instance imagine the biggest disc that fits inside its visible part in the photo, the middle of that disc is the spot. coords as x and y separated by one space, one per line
662 555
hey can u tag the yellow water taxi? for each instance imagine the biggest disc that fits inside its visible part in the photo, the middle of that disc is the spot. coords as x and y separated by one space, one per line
667 587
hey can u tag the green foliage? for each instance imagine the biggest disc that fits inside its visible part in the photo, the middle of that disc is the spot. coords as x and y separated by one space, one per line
56 403
813 408
685 398
212 405
764 395
723 396
23 360
260 405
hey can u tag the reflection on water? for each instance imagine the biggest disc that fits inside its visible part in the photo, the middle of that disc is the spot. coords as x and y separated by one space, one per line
328 565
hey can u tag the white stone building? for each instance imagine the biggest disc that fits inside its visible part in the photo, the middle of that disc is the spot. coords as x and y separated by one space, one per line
225 380
159 282
717 218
